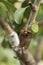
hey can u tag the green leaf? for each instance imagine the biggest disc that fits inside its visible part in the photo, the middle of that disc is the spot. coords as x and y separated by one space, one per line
19 15
9 6
35 28
2 10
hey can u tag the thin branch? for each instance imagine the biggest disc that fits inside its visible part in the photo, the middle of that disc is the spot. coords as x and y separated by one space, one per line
33 13
5 26
31 20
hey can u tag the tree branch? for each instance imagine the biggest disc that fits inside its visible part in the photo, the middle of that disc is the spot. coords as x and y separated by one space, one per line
22 53
33 13
5 26
26 35
25 57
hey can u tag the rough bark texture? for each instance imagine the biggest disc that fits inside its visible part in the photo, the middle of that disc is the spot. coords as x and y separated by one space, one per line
25 57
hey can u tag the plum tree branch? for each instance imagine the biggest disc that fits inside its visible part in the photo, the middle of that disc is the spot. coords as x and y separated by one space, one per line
31 20
22 53
25 57
5 26
33 13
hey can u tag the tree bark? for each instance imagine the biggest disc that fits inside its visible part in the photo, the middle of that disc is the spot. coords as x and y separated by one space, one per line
5 26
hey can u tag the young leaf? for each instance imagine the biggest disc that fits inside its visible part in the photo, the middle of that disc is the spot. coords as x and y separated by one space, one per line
19 15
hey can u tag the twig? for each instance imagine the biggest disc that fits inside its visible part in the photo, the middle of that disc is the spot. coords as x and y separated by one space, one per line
33 13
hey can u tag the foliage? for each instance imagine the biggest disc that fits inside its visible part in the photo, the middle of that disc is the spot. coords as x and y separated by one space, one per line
18 16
